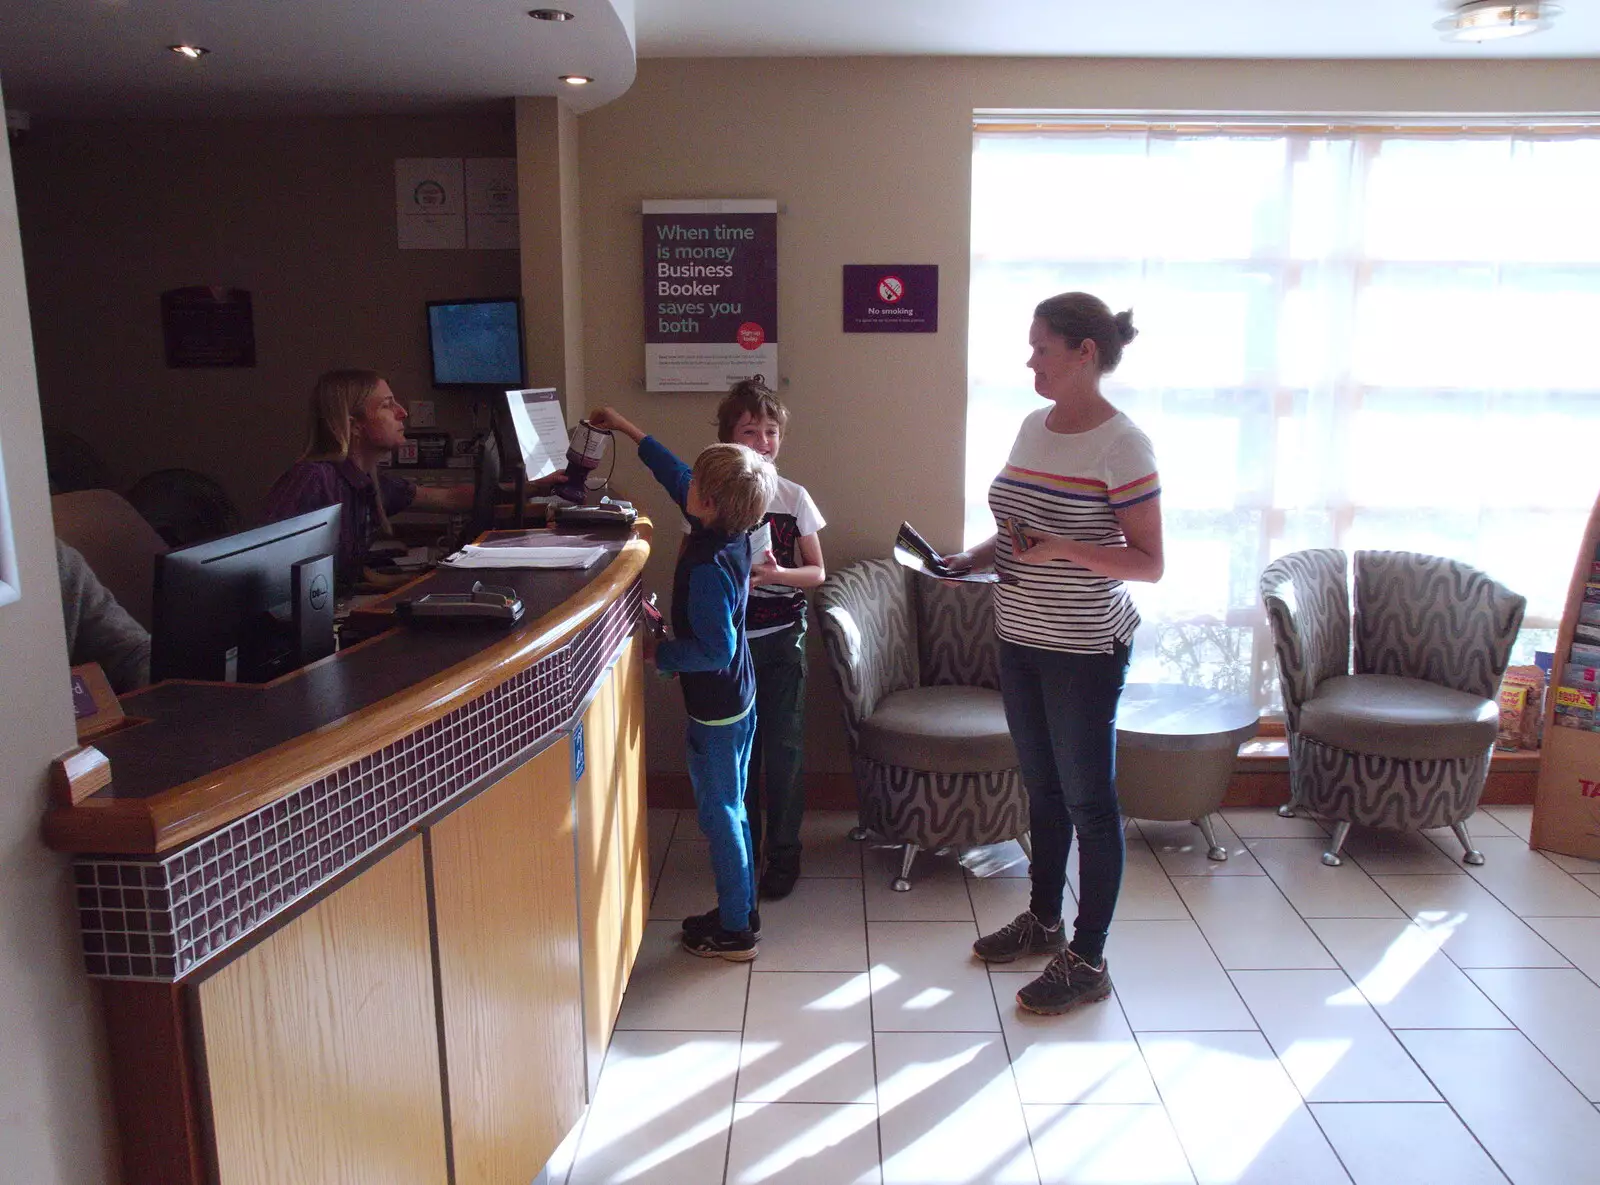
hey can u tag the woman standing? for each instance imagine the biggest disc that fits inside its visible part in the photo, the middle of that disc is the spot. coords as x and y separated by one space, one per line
1081 488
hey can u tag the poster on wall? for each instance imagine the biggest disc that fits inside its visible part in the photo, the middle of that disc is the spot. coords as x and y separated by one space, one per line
491 189
710 293
429 203
891 298
204 326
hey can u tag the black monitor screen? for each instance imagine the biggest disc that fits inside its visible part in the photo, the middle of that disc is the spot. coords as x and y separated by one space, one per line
224 609
476 343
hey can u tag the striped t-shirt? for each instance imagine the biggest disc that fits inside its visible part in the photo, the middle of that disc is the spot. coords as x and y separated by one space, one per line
1069 484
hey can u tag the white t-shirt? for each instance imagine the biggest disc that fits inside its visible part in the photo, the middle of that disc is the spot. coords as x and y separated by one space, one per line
1069 484
792 515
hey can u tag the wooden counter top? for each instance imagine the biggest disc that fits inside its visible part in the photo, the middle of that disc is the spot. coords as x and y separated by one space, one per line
206 754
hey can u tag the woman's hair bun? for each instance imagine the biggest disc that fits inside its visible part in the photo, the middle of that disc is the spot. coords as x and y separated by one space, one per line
1125 329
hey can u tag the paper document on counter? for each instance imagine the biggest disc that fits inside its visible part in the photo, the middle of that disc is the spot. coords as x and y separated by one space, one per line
475 556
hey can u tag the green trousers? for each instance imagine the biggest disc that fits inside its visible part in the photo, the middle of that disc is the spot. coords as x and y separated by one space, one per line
775 802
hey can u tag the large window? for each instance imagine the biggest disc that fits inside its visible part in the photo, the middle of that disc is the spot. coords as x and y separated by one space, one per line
1355 337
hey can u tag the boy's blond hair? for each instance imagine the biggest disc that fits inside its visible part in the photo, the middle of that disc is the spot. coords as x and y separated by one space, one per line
738 481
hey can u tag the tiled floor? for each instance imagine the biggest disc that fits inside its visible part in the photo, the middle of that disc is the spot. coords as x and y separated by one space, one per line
1401 1020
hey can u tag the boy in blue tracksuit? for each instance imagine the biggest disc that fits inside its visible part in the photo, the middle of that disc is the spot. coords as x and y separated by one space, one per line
723 496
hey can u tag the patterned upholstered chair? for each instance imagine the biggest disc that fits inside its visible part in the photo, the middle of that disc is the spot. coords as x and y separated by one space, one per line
1402 743
917 666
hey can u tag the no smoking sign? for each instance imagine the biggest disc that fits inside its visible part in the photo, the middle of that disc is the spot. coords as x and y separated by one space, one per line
891 298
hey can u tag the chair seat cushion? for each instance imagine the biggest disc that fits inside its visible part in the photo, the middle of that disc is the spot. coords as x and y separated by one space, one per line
1392 716
952 730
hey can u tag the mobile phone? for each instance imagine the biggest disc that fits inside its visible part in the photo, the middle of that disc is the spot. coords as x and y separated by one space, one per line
1019 539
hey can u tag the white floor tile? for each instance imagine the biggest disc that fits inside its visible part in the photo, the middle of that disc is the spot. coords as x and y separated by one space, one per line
938 889
1516 819
1478 930
1147 893
1480 823
1556 1010
1107 1145
1085 1056
1589 881
821 926
996 901
636 1132
1530 885
949 1112
1264 822
1329 1040
1236 1113
1573 864
1576 938
1249 924
672 989
1405 1144
1404 974
1316 890
826 846
804 1144
807 1039
925 979
996 860
1182 849
1167 979
685 886
1534 1123
1382 853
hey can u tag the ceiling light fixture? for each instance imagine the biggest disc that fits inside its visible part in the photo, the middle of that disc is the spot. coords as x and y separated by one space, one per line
576 80
1495 20
550 14
193 52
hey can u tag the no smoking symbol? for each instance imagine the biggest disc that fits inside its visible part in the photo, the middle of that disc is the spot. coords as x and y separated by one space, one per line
891 289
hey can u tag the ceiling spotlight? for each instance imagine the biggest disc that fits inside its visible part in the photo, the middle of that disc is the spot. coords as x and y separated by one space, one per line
550 14
576 80
1495 20
192 52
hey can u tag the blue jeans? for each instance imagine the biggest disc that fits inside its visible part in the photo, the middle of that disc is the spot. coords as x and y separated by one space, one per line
718 756
1062 712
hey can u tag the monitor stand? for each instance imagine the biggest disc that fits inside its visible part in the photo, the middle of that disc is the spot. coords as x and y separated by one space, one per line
311 586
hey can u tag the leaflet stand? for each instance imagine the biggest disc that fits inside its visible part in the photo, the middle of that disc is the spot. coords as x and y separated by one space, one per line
1566 805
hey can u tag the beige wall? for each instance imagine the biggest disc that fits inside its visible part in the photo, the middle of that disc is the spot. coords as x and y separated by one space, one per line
869 160
298 211
55 1122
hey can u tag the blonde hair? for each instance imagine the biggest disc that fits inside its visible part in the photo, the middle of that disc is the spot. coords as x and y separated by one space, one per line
336 401
739 482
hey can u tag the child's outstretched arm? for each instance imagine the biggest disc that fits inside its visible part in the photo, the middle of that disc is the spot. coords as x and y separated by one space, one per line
672 473
713 600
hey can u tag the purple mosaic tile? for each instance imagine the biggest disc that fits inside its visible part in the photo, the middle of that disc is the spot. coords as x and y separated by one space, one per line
159 918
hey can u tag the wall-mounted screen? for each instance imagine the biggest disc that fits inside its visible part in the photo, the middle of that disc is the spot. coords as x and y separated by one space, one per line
476 342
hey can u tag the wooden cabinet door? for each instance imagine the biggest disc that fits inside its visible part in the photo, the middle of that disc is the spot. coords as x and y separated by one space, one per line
321 1044
506 912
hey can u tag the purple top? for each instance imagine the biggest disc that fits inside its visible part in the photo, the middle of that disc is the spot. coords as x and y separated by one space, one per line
311 485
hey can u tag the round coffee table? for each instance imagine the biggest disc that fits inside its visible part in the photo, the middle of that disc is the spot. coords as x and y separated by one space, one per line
1176 747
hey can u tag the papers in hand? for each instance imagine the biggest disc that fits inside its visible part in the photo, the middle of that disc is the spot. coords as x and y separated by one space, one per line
912 550
760 542
475 556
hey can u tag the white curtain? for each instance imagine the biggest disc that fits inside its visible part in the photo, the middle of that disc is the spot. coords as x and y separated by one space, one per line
1354 337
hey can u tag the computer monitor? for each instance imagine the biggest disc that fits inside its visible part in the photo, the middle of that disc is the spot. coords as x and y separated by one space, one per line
476 342
247 607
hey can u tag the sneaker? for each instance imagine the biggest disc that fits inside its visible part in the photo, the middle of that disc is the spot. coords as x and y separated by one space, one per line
777 882
1066 983
1023 935
705 923
737 946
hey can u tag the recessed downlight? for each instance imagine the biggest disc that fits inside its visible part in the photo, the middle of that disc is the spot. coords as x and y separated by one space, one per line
550 14
576 79
193 52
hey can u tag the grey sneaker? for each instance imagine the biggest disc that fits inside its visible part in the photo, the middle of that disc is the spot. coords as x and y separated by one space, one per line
1066 983
1022 935
705 923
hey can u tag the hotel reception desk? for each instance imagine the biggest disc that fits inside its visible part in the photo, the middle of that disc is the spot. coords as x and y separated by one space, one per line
372 923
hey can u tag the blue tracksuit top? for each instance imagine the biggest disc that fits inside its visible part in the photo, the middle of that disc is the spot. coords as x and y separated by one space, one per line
709 590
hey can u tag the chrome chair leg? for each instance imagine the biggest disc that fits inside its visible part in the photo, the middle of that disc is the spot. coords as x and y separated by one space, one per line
902 883
1286 811
1331 857
1214 850
858 834
1472 856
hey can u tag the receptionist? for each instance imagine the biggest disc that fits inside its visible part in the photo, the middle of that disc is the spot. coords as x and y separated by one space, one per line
356 420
